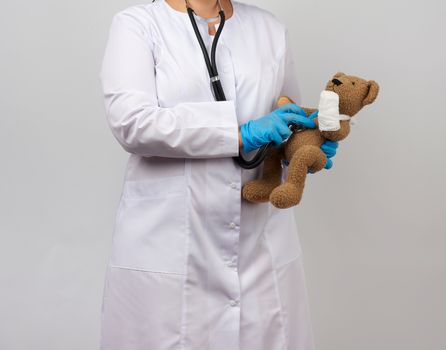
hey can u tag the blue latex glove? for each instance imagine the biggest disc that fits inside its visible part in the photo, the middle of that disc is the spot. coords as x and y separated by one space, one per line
328 147
273 127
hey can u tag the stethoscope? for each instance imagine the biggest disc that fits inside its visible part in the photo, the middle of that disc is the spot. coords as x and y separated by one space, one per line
219 94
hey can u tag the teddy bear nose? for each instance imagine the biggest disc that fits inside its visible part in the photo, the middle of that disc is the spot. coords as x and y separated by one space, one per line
336 82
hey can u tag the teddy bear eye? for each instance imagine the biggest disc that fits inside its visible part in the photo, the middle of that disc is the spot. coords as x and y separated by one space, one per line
353 82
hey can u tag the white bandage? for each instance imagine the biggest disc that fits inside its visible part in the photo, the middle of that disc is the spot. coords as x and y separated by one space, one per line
328 116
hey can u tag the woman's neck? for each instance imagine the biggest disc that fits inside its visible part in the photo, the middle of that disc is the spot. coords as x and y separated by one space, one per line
203 8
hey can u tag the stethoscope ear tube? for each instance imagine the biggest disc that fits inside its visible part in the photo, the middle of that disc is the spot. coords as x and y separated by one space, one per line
217 87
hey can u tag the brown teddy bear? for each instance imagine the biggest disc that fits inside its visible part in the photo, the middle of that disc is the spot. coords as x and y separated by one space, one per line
345 95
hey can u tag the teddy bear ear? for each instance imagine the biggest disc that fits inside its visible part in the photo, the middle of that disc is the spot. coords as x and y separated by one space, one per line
373 93
338 74
283 100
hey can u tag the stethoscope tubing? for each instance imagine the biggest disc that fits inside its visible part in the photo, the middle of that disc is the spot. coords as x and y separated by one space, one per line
217 87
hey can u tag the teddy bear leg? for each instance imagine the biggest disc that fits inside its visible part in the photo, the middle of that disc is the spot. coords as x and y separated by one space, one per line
290 192
258 191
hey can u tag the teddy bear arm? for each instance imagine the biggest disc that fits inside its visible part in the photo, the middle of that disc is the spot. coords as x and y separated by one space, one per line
340 134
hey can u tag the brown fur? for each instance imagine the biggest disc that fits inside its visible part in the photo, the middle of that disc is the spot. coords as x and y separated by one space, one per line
302 149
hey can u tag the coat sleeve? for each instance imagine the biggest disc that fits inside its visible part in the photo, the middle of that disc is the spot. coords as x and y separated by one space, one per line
290 86
187 130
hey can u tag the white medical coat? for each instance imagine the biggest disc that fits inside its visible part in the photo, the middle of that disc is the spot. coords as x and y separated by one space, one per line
193 266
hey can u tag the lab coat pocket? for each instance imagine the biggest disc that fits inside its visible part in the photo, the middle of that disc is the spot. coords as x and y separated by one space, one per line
281 235
269 69
258 78
269 80
150 229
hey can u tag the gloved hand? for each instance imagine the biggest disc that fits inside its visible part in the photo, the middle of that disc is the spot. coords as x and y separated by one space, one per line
273 127
328 147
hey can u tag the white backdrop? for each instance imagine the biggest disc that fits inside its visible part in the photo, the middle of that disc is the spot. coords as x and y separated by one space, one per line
373 228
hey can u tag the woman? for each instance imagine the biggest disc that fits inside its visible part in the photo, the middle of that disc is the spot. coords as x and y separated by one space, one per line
193 266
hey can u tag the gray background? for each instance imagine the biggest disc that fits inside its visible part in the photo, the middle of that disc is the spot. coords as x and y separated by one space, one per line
372 229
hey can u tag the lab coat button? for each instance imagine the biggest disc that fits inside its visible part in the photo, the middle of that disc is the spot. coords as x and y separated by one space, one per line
232 225
233 303
232 265
233 185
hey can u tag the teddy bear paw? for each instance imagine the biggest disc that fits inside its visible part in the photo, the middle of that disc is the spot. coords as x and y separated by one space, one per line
285 196
258 191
